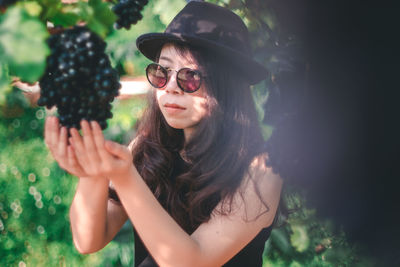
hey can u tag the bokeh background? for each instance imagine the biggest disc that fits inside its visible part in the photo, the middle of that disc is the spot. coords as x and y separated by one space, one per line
326 111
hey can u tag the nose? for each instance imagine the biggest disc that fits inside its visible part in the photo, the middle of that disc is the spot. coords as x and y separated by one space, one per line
172 85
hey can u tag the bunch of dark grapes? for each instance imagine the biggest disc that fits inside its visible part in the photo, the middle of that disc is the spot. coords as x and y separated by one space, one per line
6 3
128 12
79 79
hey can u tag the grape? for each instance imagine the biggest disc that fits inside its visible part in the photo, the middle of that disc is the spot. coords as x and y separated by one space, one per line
78 79
128 12
6 3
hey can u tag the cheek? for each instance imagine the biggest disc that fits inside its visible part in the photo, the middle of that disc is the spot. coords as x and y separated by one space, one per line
199 108
199 103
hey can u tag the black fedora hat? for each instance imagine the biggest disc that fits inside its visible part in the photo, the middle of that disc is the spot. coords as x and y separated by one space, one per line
211 26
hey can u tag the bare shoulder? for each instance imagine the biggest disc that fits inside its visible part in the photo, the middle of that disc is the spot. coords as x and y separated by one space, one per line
259 172
253 208
260 191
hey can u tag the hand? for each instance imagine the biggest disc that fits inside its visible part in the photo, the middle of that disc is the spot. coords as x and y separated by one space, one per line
100 157
56 141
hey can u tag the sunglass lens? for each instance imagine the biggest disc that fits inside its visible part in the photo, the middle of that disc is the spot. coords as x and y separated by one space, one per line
189 80
156 75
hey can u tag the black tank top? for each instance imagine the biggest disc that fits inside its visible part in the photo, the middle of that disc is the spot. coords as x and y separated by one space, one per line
249 256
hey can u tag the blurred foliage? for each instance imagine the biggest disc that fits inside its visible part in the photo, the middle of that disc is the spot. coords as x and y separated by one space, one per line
23 49
4 81
125 113
23 31
306 240
121 44
35 193
22 46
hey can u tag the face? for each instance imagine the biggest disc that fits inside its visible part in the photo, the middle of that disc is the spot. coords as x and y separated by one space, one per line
181 110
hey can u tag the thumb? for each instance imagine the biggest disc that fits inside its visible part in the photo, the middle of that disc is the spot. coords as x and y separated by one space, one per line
118 150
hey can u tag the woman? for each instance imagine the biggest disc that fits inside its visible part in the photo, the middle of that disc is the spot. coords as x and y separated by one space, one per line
193 182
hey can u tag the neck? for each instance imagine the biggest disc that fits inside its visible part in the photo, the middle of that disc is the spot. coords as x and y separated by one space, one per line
188 133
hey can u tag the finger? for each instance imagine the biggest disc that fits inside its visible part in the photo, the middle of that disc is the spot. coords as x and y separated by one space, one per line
47 128
78 147
118 150
76 138
73 162
88 141
99 141
47 125
52 131
62 145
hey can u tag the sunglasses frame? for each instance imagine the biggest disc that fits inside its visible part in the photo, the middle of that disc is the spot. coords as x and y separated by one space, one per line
164 70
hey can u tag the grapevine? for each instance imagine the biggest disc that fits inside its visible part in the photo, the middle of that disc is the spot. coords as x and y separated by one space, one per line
78 79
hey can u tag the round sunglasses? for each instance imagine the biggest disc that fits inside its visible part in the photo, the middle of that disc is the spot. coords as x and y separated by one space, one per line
188 80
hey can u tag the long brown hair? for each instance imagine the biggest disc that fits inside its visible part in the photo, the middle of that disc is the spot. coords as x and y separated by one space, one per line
217 155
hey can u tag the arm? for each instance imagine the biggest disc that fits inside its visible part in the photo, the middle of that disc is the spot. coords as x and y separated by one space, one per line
214 242
90 224
95 220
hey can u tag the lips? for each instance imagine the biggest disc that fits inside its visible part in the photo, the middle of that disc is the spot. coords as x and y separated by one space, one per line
173 105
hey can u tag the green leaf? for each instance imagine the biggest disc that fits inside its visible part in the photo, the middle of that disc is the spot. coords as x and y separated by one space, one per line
167 9
99 17
49 8
299 237
33 8
4 82
266 131
295 264
65 19
23 44
281 240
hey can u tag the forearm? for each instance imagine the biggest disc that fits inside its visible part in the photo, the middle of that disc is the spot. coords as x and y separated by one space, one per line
167 242
88 214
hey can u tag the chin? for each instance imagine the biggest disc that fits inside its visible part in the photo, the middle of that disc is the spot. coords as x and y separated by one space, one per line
181 125
176 124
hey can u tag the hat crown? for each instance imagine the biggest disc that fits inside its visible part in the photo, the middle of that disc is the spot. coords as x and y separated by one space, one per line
211 27
213 24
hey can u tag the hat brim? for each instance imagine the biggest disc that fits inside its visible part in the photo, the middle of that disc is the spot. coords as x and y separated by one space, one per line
150 44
